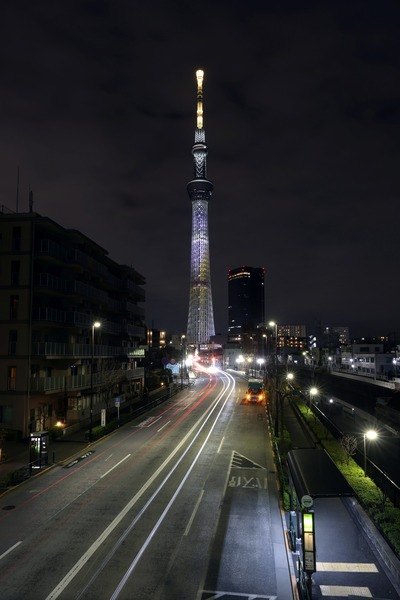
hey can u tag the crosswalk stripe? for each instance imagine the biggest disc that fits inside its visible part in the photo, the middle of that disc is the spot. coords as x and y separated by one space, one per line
347 567
345 590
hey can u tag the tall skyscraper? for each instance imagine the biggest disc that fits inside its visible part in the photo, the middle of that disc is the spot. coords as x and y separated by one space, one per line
246 301
200 326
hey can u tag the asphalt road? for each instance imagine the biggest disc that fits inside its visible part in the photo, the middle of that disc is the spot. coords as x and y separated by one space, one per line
171 506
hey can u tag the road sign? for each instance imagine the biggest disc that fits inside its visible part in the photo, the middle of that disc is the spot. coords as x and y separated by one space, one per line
306 501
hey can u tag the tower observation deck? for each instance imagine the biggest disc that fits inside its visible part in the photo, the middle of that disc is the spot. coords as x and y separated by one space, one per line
200 326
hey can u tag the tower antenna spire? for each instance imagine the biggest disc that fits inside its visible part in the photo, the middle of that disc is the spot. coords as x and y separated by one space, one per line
200 326
199 77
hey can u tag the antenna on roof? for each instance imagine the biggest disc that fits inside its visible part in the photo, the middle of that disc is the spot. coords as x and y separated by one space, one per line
30 201
17 188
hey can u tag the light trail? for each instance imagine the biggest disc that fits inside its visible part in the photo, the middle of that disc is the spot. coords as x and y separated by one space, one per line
63 584
139 555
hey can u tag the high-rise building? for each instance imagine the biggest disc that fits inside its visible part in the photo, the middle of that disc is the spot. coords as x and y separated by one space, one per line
200 327
246 301
71 326
343 333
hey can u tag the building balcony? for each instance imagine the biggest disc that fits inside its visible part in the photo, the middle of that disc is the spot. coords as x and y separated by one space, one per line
135 331
51 282
135 310
53 315
62 383
58 349
136 289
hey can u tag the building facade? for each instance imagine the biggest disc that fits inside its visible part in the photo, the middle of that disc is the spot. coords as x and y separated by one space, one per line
71 323
246 302
200 327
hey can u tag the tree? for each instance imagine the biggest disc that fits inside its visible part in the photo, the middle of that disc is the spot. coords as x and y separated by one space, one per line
112 378
349 445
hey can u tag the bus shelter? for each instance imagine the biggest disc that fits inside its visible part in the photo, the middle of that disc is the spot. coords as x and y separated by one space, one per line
312 474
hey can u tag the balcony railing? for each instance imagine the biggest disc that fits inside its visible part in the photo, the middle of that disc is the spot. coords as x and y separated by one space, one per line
46 280
76 350
78 382
135 330
136 310
49 314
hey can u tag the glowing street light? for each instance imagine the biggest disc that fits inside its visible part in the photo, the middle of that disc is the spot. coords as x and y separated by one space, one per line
239 360
371 434
313 393
274 326
260 361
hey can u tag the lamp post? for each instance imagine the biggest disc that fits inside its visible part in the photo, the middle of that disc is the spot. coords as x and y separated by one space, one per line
274 326
313 392
260 362
283 394
239 361
371 434
95 325
276 392
183 357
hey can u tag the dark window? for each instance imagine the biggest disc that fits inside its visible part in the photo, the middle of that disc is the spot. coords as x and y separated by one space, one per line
11 378
15 272
5 414
16 239
14 303
12 341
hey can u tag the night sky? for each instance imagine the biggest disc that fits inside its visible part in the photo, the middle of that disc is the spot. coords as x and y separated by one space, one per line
302 121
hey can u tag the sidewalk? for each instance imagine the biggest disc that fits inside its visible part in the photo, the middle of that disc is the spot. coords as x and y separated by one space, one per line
16 463
352 556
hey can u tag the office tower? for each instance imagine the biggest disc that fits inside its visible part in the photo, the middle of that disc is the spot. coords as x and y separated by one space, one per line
246 301
200 325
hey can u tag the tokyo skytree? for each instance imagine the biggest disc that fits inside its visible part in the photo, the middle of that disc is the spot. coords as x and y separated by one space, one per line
200 326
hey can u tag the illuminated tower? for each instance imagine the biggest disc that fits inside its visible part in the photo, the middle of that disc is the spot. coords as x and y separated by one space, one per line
201 318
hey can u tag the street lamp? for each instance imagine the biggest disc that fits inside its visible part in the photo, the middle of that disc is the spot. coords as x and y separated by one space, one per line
371 434
260 362
183 357
239 361
283 392
276 399
313 392
95 325
274 325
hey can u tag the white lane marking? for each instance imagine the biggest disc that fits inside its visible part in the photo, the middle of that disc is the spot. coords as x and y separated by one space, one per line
220 446
60 587
108 458
194 513
153 422
161 428
10 550
135 561
115 466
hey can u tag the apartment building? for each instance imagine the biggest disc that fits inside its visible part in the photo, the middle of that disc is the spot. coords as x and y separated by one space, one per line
71 326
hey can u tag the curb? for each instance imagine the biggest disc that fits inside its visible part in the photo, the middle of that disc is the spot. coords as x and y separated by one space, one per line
389 560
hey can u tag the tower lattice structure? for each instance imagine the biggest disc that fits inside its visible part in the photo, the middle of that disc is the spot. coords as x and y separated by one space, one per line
200 326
